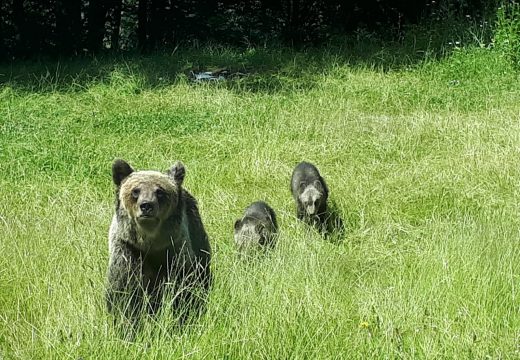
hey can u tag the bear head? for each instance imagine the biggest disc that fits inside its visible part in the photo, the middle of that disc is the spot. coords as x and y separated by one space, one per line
312 197
249 233
148 197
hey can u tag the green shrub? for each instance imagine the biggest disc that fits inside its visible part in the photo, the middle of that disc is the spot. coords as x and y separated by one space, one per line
507 32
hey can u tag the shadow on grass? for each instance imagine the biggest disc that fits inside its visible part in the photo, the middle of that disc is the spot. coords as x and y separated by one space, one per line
334 227
340 223
268 70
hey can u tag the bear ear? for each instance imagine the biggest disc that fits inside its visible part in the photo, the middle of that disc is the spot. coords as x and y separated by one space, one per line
238 224
120 170
177 173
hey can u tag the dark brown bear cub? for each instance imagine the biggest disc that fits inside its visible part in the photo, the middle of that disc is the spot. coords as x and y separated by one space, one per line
310 194
156 237
257 228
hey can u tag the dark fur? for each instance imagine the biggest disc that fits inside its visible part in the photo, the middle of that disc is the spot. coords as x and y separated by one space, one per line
304 175
137 277
260 218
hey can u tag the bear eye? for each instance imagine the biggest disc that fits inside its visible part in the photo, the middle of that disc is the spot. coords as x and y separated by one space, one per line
161 194
135 193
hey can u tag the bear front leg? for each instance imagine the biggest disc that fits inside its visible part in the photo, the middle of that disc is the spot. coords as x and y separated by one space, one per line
300 212
124 293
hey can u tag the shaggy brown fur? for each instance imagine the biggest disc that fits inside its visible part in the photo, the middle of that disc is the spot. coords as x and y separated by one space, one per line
156 237
257 228
310 192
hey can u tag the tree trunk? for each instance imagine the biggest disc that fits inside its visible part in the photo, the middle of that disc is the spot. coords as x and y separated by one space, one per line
3 33
21 29
142 25
116 25
68 26
157 20
292 26
96 25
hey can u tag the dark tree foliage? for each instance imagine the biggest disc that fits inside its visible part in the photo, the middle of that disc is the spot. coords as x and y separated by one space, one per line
71 27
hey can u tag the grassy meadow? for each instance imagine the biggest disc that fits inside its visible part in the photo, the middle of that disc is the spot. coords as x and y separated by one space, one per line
421 154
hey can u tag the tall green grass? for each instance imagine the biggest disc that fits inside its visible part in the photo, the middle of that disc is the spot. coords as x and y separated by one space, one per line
421 157
507 30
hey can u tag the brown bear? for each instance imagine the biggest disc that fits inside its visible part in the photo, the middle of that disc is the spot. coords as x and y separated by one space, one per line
310 192
156 238
257 228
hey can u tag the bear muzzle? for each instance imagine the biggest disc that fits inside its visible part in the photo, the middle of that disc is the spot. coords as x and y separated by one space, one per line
311 210
147 214
147 208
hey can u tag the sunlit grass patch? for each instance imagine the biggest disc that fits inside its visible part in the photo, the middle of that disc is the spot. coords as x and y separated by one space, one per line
422 165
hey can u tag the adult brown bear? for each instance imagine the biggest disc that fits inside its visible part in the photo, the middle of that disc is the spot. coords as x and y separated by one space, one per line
156 240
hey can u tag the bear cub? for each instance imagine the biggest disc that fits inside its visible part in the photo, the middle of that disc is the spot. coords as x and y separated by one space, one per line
156 239
310 193
257 228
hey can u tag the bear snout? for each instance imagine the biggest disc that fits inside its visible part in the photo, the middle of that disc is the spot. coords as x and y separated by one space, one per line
147 208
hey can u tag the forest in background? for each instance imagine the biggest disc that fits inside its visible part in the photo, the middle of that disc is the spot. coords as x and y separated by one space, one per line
79 27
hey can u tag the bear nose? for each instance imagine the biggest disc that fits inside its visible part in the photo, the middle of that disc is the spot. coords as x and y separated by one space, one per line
146 207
